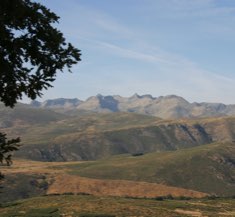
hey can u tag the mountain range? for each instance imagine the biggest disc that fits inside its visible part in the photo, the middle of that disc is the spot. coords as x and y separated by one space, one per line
166 107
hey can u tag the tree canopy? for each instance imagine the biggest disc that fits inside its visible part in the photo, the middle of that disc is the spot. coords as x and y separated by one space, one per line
32 50
6 147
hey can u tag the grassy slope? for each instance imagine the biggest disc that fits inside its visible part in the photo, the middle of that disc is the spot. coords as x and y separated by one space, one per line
208 168
21 185
90 206
83 135
30 178
97 136
33 132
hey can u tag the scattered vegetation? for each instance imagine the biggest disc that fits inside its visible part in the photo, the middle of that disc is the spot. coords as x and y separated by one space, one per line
92 206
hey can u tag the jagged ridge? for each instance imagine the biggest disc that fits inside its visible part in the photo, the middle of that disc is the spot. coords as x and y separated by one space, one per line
166 107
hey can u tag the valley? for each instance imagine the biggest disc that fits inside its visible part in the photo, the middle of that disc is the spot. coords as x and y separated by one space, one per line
118 156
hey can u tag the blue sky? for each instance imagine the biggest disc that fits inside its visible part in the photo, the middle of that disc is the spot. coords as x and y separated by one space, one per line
157 47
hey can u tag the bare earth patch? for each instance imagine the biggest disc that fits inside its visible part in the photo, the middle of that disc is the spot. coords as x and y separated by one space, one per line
189 212
32 167
227 213
69 183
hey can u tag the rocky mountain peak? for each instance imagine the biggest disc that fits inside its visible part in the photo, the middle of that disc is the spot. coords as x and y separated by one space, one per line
135 96
170 106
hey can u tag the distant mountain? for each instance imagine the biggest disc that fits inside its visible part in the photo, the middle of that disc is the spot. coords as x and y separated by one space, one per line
167 107
23 114
57 103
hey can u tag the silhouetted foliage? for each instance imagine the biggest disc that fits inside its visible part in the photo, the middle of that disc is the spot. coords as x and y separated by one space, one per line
32 52
6 147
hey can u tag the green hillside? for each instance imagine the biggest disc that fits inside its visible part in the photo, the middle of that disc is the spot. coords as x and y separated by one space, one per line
85 136
92 137
209 168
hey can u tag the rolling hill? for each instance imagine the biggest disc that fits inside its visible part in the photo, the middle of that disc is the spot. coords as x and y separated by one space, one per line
97 136
208 168
30 178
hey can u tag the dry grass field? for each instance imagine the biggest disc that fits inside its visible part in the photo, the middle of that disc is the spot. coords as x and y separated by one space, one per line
59 182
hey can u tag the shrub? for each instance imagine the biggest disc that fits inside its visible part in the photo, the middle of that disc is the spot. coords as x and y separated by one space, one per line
137 154
169 197
160 198
96 215
184 198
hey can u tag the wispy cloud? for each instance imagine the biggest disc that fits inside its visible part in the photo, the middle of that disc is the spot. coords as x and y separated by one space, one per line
93 23
199 8
132 54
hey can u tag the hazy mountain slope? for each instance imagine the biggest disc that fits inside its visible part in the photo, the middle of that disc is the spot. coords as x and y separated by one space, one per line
100 103
88 123
166 107
209 168
57 103
25 114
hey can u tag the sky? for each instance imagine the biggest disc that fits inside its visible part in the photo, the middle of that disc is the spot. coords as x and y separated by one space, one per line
157 47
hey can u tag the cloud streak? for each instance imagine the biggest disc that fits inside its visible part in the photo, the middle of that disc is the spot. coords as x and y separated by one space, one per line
132 54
